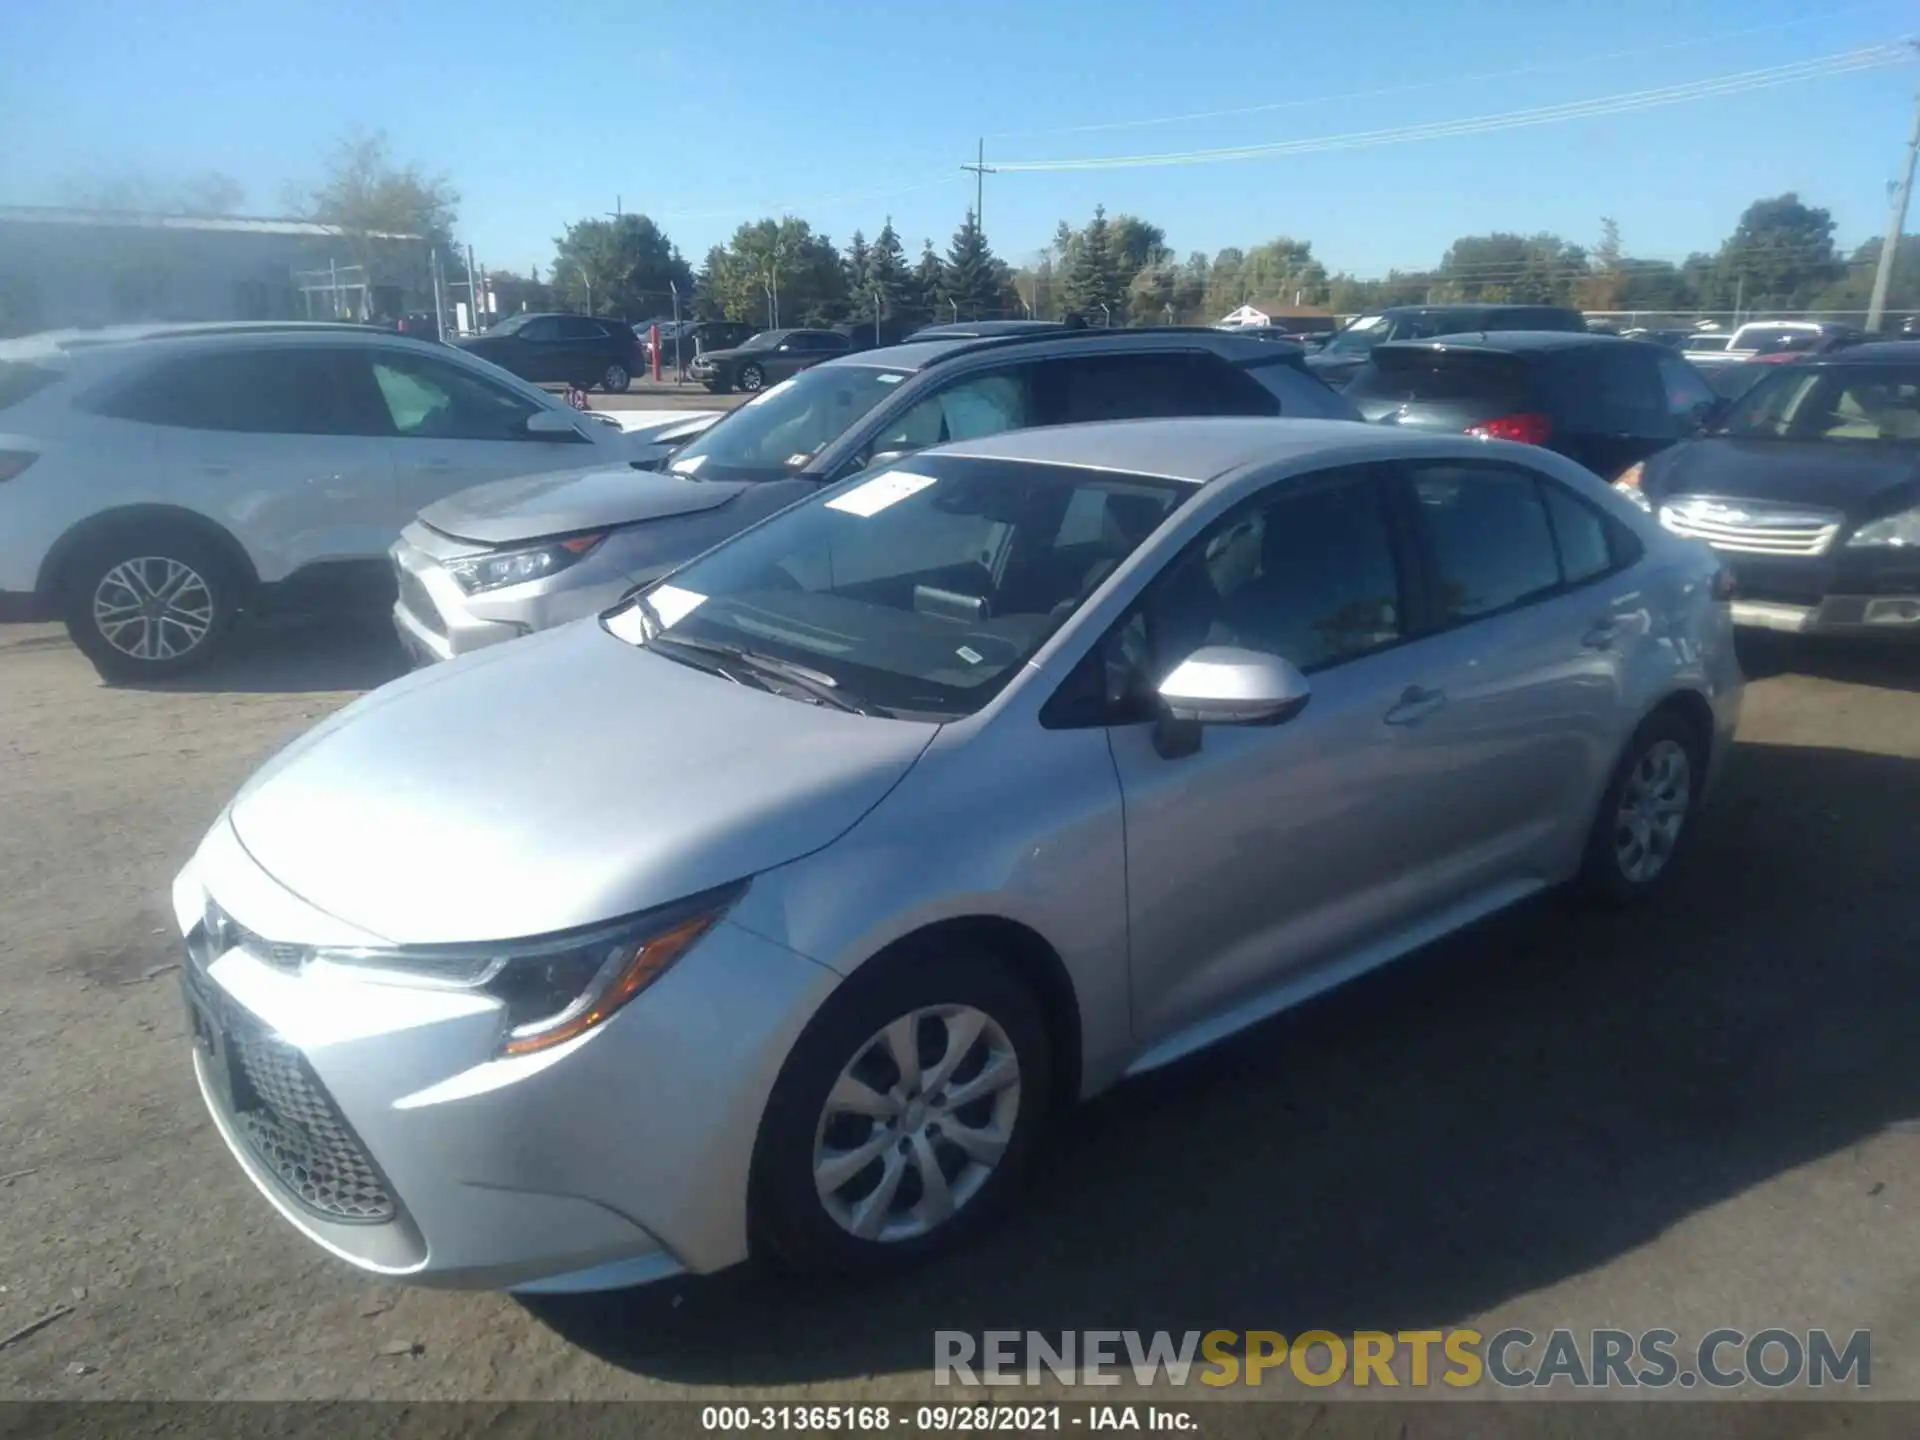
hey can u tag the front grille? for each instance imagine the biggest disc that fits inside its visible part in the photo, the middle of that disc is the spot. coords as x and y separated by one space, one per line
419 604
1750 528
224 933
292 1126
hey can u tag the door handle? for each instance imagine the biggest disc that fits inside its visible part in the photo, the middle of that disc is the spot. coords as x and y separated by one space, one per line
1415 704
1600 634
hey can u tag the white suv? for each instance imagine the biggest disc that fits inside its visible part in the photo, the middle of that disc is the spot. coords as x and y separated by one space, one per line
154 483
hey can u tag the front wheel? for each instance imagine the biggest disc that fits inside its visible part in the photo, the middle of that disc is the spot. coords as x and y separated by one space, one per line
1646 815
616 380
752 377
905 1117
147 607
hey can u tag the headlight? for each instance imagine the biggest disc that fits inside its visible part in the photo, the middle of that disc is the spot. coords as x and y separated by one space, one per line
557 988
1901 529
1629 485
515 567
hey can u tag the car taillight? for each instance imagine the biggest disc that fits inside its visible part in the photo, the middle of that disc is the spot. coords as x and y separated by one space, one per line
1528 428
12 462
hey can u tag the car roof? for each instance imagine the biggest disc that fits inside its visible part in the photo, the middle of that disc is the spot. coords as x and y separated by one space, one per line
1200 449
1456 307
51 342
1515 342
1873 352
919 354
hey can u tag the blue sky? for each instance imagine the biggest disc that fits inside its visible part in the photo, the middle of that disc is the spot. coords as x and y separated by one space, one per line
846 112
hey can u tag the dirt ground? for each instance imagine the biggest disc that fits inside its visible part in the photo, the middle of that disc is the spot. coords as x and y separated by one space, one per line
1700 1115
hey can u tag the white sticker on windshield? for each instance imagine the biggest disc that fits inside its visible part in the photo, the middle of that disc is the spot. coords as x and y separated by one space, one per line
887 377
970 655
768 394
688 465
880 492
673 604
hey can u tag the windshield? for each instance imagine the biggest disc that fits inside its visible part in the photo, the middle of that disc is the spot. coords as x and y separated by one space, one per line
781 429
908 591
1831 402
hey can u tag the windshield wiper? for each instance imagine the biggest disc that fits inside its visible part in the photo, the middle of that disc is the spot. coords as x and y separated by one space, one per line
822 688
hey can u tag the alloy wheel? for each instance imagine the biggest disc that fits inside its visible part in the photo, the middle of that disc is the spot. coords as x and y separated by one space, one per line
751 378
1653 808
616 379
153 608
917 1123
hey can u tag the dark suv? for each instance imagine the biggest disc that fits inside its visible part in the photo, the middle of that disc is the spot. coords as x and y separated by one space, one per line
562 350
1340 359
622 529
1606 402
766 359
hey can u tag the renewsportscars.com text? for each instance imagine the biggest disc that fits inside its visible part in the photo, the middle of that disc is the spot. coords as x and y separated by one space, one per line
1511 1359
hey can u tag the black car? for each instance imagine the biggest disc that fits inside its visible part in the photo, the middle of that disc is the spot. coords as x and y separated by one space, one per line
562 350
766 359
1340 359
1810 486
1606 402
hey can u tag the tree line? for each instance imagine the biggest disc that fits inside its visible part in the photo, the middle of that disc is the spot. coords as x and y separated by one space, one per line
1117 270
1120 270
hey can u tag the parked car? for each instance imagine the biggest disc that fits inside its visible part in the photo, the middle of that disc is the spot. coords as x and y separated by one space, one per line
419 325
1605 402
1769 337
1810 488
1672 339
572 350
867 844
1698 345
158 486
1340 359
766 359
677 342
502 560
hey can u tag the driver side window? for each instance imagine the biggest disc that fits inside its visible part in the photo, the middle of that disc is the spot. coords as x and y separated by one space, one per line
974 407
430 400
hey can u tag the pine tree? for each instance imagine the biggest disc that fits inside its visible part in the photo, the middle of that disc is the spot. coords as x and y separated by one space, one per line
929 289
975 280
1094 287
887 279
855 265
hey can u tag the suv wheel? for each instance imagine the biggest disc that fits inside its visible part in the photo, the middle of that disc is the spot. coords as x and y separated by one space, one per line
145 607
905 1116
616 380
752 377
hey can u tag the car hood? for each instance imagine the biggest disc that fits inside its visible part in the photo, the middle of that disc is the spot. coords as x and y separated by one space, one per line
532 507
1858 478
557 781
735 352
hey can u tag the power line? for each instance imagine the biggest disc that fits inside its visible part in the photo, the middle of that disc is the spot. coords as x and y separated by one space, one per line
1450 81
1846 62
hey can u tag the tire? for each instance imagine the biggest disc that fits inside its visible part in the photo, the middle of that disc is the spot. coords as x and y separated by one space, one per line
856 1227
752 377
1646 816
180 587
617 380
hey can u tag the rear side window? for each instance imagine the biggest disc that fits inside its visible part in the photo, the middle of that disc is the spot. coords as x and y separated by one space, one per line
575 327
1150 386
1492 545
20 381
282 391
1580 532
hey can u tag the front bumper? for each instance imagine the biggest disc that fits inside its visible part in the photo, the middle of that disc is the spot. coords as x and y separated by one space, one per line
1847 591
618 1158
1857 616
437 620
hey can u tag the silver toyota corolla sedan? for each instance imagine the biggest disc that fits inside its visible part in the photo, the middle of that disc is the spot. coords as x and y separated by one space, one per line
778 910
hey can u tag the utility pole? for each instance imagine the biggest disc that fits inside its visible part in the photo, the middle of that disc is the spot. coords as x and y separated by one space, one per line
1896 224
980 170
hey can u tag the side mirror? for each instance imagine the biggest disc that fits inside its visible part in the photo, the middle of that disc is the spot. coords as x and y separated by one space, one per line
1226 685
553 425
785 348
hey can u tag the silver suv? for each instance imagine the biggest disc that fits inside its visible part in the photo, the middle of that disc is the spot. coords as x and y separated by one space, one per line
505 560
156 481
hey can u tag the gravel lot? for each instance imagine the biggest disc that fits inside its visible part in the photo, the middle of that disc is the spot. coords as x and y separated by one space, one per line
1702 1115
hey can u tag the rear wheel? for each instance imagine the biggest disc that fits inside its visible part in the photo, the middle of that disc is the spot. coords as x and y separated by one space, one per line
905 1117
143 607
1646 815
616 380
